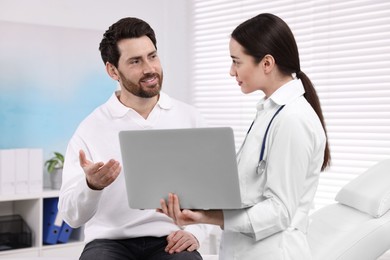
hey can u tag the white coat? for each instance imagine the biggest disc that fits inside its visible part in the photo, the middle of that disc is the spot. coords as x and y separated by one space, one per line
273 224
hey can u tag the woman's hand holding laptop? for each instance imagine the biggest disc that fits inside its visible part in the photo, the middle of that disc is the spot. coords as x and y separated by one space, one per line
183 217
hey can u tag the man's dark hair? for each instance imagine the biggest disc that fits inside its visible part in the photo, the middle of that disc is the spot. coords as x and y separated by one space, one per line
125 28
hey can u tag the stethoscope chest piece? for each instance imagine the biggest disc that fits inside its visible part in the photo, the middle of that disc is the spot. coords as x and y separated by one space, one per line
261 167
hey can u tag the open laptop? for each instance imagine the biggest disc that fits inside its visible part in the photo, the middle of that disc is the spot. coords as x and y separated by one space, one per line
197 164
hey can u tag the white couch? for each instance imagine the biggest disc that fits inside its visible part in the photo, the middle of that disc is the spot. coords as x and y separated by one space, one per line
357 227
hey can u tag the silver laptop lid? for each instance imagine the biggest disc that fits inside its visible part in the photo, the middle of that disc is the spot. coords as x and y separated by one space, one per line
198 164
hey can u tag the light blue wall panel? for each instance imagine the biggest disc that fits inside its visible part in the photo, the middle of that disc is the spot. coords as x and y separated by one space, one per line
50 79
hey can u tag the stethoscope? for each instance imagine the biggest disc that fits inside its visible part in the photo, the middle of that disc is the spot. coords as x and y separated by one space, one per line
262 163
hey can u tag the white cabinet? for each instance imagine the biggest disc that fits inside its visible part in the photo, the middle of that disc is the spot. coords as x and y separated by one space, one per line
30 208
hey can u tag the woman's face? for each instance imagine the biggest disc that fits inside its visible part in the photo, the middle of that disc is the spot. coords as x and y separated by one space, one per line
249 76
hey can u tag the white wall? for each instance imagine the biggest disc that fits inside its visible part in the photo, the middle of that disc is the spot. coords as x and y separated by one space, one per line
167 17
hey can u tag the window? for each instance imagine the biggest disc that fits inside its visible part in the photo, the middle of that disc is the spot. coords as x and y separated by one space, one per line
345 50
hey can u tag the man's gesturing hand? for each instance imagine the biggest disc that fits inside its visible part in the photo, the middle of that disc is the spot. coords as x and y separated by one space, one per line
99 175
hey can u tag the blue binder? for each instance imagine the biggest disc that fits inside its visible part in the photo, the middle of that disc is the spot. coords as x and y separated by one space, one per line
65 232
52 221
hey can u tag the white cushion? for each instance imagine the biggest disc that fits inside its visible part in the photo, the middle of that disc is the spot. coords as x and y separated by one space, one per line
370 191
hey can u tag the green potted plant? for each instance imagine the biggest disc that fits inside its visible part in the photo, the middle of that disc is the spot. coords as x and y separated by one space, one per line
54 167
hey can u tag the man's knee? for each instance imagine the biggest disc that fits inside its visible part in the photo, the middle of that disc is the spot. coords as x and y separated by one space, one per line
185 255
102 250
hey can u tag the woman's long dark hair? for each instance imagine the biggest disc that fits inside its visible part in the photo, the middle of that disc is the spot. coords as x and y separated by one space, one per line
268 34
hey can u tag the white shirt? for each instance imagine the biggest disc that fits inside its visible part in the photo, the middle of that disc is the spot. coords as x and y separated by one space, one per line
106 213
278 201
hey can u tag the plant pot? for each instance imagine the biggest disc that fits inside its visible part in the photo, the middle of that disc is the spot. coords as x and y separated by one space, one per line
56 178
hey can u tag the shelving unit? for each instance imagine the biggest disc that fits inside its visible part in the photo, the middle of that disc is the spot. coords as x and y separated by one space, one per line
30 207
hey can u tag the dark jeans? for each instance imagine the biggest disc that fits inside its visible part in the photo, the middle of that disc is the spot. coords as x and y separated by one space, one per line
142 248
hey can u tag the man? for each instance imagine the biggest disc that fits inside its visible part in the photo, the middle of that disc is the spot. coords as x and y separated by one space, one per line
94 195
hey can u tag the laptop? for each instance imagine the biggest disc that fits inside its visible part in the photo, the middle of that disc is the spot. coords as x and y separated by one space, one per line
197 164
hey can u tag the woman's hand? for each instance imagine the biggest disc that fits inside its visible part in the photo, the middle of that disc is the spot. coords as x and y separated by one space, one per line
180 217
187 217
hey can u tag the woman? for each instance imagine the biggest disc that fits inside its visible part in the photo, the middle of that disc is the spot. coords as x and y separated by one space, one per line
282 156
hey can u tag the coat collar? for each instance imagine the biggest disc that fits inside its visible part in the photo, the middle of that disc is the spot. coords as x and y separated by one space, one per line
283 95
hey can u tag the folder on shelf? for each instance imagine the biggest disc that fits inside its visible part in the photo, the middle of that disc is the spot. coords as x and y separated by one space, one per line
52 221
7 171
35 174
65 232
21 170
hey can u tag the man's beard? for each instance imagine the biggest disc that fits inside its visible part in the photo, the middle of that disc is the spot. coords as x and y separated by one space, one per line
139 91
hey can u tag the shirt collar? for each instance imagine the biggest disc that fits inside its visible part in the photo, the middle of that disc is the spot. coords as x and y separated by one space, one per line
165 101
283 95
117 109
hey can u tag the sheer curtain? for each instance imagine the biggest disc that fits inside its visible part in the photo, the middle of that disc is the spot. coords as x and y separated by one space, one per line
345 50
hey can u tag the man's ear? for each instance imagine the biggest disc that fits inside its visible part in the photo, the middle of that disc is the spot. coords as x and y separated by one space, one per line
268 63
112 71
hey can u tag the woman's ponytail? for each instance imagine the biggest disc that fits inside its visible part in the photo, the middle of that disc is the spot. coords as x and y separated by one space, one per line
312 97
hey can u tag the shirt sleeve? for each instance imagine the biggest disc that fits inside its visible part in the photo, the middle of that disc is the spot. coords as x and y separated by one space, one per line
77 202
288 159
